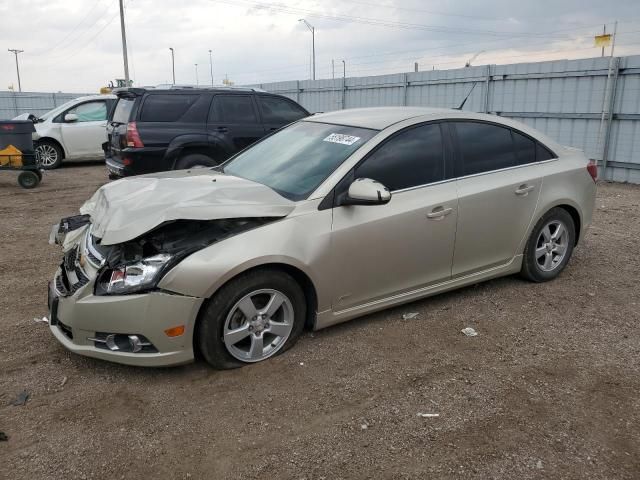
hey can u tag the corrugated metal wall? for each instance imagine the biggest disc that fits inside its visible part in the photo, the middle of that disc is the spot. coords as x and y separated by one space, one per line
13 103
562 98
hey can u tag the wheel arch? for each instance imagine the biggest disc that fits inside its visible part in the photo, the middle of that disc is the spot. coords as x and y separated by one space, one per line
571 207
301 277
53 140
190 144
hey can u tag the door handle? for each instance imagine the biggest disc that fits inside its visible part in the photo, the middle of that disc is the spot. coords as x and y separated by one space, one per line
439 212
524 189
222 129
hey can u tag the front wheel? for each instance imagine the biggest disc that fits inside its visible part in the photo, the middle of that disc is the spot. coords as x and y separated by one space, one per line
48 154
549 247
254 317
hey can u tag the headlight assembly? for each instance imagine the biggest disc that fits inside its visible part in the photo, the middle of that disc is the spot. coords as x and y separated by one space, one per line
138 276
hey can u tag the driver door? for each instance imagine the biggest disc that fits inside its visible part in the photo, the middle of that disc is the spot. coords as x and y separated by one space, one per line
383 250
83 138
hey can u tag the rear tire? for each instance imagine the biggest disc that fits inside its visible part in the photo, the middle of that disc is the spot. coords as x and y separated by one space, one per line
225 313
49 154
28 179
549 247
195 160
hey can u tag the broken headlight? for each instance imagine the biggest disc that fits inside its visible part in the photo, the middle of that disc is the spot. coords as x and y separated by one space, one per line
134 277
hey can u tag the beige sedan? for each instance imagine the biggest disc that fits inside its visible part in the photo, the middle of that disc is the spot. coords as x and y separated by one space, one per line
333 217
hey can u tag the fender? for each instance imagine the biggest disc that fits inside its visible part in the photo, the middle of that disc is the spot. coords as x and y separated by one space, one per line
181 142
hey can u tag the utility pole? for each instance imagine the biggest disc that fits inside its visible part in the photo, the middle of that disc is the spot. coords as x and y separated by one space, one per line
211 67
124 45
313 44
604 32
197 84
15 51
344 84
173 65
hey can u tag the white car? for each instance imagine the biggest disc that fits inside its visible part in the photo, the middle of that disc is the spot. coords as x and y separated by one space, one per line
73 131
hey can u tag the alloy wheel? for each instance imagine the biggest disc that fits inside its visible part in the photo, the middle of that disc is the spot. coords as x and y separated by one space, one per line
552 245
258 325
47 155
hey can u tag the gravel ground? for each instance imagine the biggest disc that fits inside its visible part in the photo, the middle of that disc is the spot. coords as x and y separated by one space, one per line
549 388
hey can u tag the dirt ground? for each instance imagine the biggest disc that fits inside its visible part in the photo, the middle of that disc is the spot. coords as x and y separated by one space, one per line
549 388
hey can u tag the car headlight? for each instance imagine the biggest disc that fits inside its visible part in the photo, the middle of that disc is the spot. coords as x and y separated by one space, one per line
133 277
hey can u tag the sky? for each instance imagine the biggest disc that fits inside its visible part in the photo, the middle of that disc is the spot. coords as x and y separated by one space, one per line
75 45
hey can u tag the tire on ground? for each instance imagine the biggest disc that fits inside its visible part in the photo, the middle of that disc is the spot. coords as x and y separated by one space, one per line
194 160
209 331
531 270
54 150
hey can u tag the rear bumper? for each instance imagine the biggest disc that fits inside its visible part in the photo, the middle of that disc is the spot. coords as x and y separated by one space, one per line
136 161
77 319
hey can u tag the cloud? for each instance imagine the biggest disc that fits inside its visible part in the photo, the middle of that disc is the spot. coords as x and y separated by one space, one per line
73 45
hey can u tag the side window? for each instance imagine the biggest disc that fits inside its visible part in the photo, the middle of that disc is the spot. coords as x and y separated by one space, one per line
525 148
410 158
90 111
484 147
279 110
165 108
543 153
234 109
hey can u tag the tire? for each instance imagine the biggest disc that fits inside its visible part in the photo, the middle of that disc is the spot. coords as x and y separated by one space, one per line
49 154
195 160
547 252
28 179
224 313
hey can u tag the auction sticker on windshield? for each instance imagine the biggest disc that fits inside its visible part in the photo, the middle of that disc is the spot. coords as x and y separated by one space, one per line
341 138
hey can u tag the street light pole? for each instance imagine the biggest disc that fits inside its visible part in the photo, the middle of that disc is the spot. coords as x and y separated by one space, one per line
173 65
197 84
211 67
124 45
313 44
16 52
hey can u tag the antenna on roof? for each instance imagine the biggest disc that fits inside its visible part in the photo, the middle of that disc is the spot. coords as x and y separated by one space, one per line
465 98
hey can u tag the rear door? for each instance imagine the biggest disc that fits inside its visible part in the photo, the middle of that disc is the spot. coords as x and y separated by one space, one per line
498 188
84 137
277 112
233 122
385 250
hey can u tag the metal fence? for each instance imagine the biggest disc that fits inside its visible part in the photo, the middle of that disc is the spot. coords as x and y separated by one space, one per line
565 99
13 104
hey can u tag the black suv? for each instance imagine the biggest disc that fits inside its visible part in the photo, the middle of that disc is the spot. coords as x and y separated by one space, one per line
156 129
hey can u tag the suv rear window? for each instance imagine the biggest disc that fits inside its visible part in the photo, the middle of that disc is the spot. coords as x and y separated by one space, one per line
166 108
123 110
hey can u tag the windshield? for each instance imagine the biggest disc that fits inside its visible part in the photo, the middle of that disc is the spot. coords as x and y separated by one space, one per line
297 159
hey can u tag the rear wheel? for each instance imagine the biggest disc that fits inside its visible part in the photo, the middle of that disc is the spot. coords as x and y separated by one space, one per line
28 179
254 317
195 160
49 154
549 247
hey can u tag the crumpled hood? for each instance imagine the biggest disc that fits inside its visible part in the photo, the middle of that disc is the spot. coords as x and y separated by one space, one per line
125 209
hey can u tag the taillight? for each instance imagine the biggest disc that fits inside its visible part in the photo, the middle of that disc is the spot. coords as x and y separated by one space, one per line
592 168
133 137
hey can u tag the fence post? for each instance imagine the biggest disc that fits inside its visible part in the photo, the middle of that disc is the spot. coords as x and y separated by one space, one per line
486 90
344 92
298 91
612 105
405 88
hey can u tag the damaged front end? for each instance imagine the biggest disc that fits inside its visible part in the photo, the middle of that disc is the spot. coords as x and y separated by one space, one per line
136 265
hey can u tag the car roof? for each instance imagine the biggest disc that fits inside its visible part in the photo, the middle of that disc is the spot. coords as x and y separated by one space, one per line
94 97
377 118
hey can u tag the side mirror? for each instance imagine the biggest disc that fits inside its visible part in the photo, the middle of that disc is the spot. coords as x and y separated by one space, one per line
71 117
364 191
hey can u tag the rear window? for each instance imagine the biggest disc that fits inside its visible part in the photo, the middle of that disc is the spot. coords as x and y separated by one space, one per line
123 110
484 147
279 110
166 108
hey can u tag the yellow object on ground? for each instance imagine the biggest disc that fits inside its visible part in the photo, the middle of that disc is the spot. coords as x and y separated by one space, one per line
11 156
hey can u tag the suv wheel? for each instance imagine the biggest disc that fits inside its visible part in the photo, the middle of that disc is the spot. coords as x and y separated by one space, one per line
549 247
195 160
254 317
49 154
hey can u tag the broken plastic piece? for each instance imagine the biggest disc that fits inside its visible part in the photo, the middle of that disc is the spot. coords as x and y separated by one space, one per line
21 399
409 316
428 415
469 332
41 320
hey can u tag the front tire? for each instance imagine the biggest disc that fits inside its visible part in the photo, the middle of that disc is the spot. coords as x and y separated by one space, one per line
49 154
255 316
549 247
